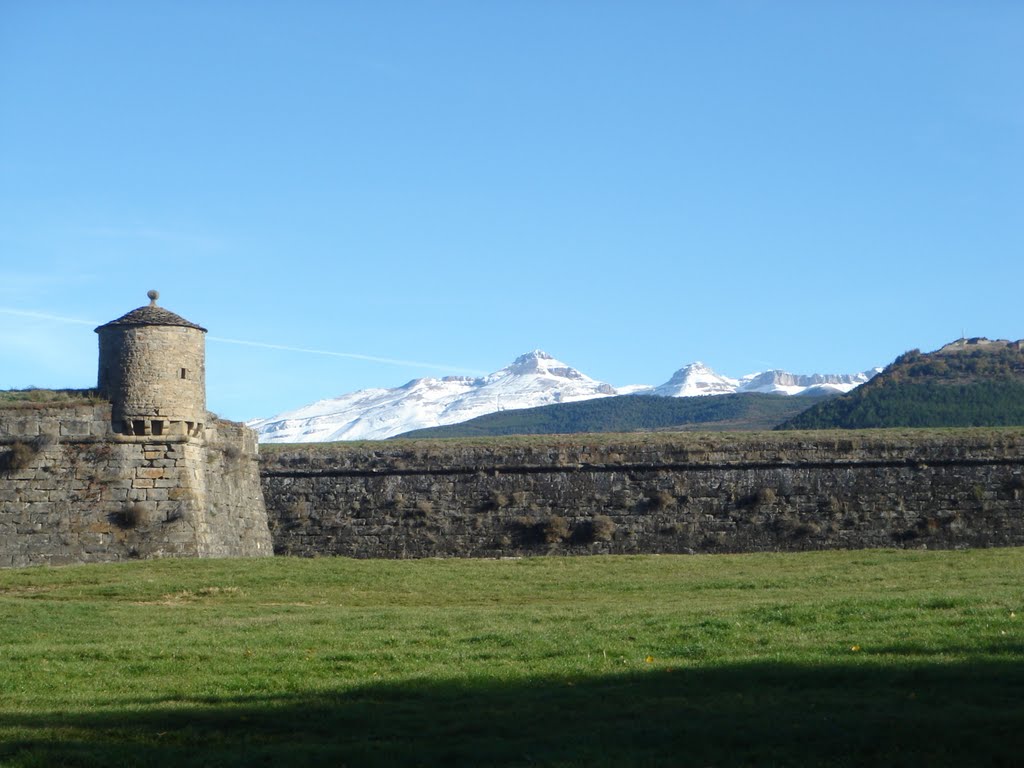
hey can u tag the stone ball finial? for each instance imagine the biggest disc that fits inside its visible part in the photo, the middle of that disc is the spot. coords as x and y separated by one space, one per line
153 296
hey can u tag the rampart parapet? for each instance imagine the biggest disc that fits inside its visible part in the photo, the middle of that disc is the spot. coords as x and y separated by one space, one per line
630 494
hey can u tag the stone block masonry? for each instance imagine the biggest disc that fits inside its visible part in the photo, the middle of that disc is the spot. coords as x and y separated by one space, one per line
73 491
648 494
152 369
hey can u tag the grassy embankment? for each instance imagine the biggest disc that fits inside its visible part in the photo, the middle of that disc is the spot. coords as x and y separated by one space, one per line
840 658
690 441
43 398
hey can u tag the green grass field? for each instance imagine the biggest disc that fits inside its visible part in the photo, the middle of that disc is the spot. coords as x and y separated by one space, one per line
836 658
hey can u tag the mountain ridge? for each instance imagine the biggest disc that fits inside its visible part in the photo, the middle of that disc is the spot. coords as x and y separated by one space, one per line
532 380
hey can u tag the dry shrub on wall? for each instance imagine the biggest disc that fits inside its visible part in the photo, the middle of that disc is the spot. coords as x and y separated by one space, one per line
602 528
660 500
133 515
554 529
495 500
549 530
597 528
299 510
761 497
18 456
834 506
232 452
791 526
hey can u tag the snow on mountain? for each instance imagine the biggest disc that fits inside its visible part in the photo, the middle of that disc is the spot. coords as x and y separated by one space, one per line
374 414
531 380
635 389
696 379
783 383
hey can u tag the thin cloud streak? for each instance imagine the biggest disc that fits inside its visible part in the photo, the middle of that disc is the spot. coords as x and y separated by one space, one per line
263 345
351 355
45 316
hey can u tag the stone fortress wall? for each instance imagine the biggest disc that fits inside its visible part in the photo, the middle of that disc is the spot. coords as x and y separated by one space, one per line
149 473
637 494
80 492
74 491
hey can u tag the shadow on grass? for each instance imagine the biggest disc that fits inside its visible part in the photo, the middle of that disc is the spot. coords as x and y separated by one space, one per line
861 714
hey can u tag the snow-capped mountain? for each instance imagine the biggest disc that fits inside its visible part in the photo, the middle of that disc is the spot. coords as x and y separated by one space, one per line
531 380
374 414
783 383
695 379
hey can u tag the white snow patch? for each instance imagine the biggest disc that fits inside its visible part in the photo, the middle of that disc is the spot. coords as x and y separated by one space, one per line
531 380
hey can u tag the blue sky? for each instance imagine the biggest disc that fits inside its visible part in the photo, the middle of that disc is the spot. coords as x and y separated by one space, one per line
815 186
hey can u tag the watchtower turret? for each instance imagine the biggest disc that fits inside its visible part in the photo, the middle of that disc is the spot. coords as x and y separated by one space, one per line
152 368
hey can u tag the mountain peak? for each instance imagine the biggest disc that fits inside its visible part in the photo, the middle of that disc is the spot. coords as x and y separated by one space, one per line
696 379
695 367
780 382
533 379
537 354
540 362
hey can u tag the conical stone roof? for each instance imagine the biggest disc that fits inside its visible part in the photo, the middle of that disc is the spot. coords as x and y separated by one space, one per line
151 314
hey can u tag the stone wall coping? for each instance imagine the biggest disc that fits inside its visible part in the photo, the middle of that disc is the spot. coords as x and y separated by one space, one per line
671 452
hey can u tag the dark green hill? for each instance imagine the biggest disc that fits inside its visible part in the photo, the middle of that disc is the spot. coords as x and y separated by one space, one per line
630 413
969 383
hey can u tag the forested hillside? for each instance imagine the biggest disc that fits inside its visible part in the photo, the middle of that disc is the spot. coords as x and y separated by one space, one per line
630 413
969 383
